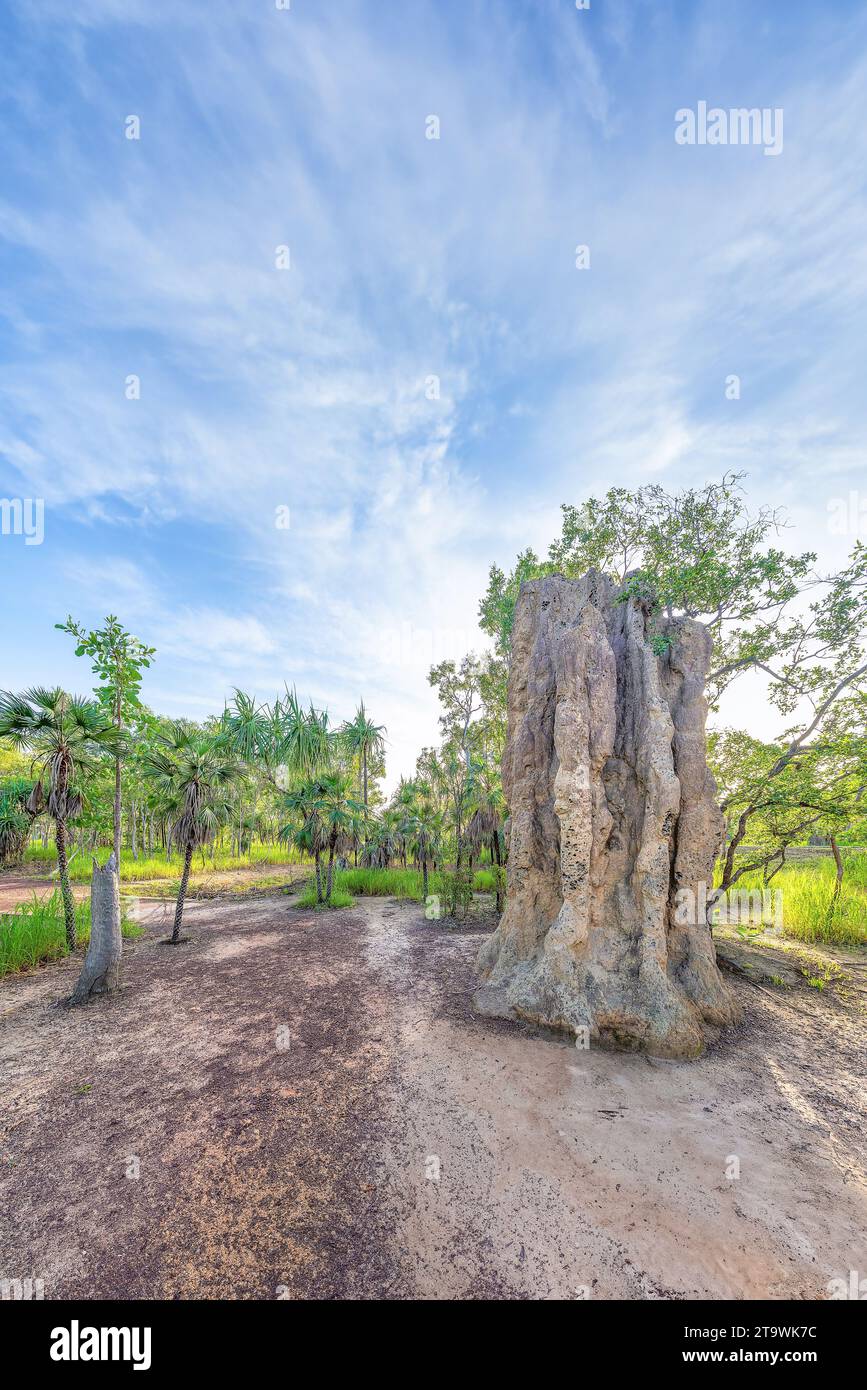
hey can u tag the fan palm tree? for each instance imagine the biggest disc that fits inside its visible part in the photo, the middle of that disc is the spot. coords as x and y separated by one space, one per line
485 826
403 806
64 734
382 842
424 831
194 773
341 814
305 830
328 817
488 811
366 740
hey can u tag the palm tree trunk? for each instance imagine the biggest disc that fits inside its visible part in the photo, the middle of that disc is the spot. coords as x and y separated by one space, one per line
330 877
364 759
65 887
182 893
317 857
424 878
497 861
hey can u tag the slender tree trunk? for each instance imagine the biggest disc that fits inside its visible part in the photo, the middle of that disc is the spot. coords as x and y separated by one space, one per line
117 803
330 878
182 893
838 885
317 856
65 887
496 861
364 756
424 878
134 828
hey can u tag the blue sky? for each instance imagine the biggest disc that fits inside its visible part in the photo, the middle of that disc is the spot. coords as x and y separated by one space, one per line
410 258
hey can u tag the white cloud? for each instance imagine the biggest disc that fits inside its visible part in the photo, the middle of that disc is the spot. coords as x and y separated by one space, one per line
410 258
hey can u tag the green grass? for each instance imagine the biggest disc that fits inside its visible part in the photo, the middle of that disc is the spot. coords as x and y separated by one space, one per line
35 932
483 881
386 883
399 883
807 889
157 866
339 897
406 884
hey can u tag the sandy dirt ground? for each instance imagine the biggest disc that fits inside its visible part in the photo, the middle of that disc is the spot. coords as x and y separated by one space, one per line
299 1105
18 888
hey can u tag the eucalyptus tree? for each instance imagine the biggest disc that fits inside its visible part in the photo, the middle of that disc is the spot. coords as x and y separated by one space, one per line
456 778
785 795
118 659
194 772
459 688
65 736
702 553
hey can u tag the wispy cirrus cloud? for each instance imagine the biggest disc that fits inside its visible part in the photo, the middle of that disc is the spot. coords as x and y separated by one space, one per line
432 376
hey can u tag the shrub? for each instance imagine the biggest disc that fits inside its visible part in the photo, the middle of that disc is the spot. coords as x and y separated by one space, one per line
455 891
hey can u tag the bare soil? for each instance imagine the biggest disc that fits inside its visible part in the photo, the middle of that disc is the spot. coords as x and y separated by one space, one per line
20 886
308 1107
17 888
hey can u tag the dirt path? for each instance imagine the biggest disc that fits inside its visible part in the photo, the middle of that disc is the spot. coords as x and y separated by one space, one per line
18 888
313 1110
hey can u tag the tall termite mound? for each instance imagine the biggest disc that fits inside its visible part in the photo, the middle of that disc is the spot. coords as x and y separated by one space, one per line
612 815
